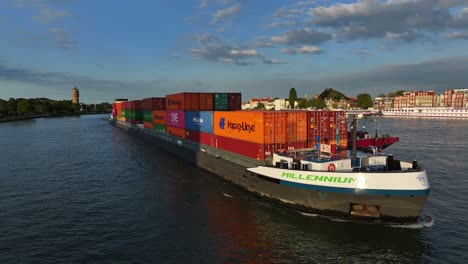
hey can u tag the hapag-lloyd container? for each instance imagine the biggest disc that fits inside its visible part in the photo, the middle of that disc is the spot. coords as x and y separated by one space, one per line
199 120
175 118
175 131
159 117
200 137
263 127
183 101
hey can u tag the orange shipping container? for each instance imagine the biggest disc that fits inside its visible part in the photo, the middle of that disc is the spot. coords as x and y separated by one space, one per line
296 128
175 131
159 117
263 127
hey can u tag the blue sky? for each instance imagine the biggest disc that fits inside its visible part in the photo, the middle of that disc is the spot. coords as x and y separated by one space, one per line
144 48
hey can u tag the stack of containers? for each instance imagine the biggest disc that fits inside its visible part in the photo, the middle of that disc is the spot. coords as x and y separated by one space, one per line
149 105
199 124
176 106
122 111
327 127
136 112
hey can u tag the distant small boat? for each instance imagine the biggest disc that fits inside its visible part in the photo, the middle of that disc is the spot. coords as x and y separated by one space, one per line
367 142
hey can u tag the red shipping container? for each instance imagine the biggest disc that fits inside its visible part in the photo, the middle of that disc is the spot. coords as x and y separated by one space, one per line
183 102
175 131
159 117
205 102
148 125
154 103
125 105
131 105
234 101
175 118
241 147
200 137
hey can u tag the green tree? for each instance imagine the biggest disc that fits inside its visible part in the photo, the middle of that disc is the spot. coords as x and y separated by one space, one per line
400 92
260 106
318 103
3 107
12 105
302 104
292 97
25 107
364 101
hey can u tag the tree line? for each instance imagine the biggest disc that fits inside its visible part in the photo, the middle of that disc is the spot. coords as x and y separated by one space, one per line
44 106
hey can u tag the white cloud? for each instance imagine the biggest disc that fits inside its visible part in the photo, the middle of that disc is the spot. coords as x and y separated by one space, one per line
227 12
309 49
47 15
63 39
250 52
395 19
458 35
302 36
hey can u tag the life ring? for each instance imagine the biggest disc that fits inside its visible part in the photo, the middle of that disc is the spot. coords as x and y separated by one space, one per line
331 167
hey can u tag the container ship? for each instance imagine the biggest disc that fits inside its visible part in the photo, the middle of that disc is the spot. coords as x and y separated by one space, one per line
288 157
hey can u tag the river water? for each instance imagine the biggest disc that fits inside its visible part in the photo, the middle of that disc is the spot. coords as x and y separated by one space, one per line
77 190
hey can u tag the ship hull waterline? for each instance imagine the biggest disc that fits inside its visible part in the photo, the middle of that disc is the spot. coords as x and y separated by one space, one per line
233 168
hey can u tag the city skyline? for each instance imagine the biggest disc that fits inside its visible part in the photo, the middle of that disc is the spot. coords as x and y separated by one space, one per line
114 49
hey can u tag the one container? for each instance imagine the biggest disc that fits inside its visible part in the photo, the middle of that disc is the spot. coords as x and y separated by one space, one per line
175 131
234 101
159 128
175 118
183 102
241 147
148 116
154 103
220 102
296 127
205 102
159 117
200 137
263 127
148 124
199 121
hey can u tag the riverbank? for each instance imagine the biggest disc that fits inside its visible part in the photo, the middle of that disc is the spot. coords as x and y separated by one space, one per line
21 118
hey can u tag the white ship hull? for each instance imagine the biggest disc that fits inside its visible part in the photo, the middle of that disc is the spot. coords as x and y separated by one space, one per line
432 112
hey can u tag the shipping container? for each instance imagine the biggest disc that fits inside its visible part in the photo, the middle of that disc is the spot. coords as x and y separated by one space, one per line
200 137
175 118
296 127
159 128
199 121
154 103
148 124
327 125
175 131
245 148
220 102
234 101
136 105
263 127
148 116
205 102
159 117
183 102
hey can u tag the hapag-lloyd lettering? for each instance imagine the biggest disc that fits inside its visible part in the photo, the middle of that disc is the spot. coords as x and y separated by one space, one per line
244 126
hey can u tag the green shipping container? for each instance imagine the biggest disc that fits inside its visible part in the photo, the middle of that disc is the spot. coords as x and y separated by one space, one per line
124 113
132 114
148 116
221 101
159 128
139 115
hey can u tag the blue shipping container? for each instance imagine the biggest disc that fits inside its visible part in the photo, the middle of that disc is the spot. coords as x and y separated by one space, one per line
199 121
